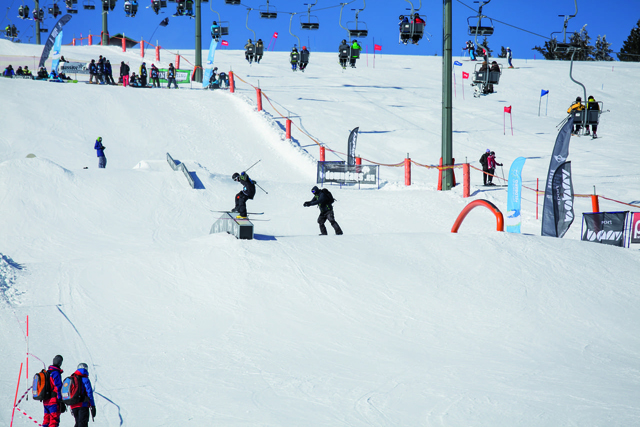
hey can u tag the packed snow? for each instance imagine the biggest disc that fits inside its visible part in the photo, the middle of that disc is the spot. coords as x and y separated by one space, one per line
398 322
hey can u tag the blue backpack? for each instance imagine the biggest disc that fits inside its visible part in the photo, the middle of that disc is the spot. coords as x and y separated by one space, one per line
73 390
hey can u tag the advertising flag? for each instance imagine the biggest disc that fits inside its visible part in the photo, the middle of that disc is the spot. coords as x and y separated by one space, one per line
275 35
563 198
635 227
605 227
514 196
543 93
212 52
458 63
351 147
224 43
377 47
52 38
465 75
507 109
57 44
558 157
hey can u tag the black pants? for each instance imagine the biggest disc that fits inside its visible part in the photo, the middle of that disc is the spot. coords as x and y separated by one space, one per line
143 80
352 61
241 204
81 416
491 172
155 81
485 171
328 215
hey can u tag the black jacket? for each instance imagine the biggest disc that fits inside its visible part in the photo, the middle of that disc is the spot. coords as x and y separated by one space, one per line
124 70
249 189
483 161
322 200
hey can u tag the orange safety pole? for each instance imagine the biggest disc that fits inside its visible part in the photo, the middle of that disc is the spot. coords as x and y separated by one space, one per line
288 127
73 42
453 172
466 180
358 161
407 170
142 48
90 40
124 44
595 205
15 399
177 61
158 53
232 83
321 153
440 175
259 95
474 204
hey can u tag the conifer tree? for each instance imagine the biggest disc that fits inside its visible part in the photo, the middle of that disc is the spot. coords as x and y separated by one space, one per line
603 49
631 46
503 52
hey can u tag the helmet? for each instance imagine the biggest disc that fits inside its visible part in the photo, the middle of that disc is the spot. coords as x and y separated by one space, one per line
401 17
578 99
508 48
57 361
83 366
344 40
235 176
99 139
215 23
493 152
416 14
315 189
304 47
249 40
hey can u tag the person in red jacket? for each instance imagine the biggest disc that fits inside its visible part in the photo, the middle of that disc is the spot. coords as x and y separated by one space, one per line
81 410
53 406
491 162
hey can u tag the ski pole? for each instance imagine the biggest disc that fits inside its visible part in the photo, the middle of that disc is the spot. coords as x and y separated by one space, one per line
502 170
261 188
253 165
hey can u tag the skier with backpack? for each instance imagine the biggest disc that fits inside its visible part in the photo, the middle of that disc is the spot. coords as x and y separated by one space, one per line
484 161
324 199
47 387
247 193
78 394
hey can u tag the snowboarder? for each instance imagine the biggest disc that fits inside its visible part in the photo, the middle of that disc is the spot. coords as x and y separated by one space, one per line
324 200
108 73
81 410
509 57
143 74
294 57
343 54
93 71
247 193
576 106
53 406
249 50
171 76
304 58
155 75
355 53
491 166
102 160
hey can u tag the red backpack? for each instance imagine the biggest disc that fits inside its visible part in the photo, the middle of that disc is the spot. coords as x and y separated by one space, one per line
73 390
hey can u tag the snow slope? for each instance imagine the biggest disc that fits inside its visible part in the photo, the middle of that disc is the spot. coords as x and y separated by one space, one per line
398 322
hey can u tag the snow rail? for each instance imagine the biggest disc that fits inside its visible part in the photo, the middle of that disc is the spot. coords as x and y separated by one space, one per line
228 223
175 166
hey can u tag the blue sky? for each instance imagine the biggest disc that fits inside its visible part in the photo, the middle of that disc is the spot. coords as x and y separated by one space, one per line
614 18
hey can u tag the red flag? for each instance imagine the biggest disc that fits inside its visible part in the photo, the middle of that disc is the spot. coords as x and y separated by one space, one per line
507 109
377 47
465 75
275 35
225 43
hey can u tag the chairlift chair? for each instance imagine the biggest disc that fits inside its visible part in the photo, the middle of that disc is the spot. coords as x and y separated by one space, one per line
266 13
54 10
232 2
23 12
478 29
356 32
312 22
88 5
481 79
69 5
222 30
38 14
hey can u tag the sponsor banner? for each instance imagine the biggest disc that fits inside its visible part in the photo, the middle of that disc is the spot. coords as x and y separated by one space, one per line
212 51
52 38
340 173
73 68
559 156
182 76
351 147
635 227
563 198
208 72
514 196
604 227
57 44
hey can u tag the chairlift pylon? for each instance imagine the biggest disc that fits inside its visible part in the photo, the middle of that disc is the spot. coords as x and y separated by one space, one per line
312 22
267 13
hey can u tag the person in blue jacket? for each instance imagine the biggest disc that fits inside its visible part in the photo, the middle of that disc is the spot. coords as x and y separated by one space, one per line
53 406
102 160
215 35
81 410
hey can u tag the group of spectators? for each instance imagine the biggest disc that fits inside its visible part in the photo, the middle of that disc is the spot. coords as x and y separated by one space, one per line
101 71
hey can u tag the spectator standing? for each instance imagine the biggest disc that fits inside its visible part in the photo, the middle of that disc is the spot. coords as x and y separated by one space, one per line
102 160
124 74
143 74
81 410
155 76
171 77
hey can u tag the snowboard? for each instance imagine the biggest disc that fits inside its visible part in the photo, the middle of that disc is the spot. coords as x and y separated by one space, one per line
248 213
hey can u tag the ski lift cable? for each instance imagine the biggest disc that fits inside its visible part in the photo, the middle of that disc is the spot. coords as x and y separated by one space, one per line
505 23
304 11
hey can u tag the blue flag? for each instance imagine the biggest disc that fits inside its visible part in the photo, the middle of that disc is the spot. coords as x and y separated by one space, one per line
57 44
457 63
207 76
543 93
514 196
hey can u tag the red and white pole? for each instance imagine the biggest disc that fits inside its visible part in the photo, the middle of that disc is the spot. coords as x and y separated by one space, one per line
177 61
158 53
288 127
322 153
259 98
466 180
232 83
142 48
15 399
407 170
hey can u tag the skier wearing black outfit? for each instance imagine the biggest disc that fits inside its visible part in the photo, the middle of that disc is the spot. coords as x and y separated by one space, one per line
325 204
247 193
343 53
484 161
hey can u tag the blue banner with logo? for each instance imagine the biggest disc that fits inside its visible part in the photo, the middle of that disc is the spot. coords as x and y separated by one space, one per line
514 196
57 44
212 51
